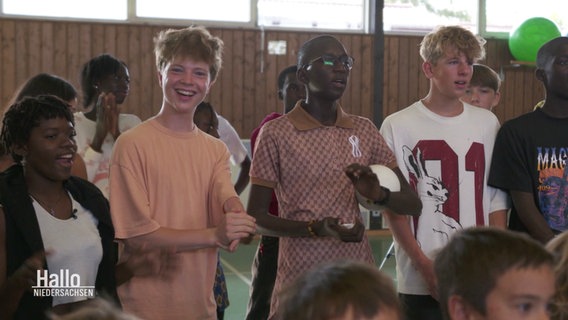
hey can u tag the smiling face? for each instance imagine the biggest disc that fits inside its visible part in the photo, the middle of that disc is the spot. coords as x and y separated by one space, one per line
450 74
50 149
117 84
185 83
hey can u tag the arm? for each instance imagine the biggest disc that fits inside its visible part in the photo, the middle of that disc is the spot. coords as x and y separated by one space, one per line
13 288
267 224
79 168
233 225
530 216
365 182
243 179
498 219
400 227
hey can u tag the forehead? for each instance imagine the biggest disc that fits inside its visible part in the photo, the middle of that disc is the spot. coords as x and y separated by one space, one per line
327 45
452 52
530 283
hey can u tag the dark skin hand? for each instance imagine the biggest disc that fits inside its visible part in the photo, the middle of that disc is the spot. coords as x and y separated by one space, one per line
368 185
106 119
531 217
13 288
277 227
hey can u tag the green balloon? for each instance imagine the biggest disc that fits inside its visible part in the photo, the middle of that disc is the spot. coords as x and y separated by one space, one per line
529 36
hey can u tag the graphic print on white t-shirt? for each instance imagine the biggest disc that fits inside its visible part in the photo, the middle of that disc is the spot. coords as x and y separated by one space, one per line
435 224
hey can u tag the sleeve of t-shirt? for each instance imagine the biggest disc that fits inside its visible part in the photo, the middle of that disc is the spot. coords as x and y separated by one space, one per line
499 199
265 163
221 189
509 169
231 138
130 209
383 153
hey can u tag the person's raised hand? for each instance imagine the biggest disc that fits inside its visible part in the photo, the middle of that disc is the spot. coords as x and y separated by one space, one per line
365 181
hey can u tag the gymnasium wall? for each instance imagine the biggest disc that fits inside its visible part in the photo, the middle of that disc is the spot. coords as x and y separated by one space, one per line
246 89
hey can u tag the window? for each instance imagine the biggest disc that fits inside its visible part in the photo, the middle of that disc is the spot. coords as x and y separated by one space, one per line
212 10
504 15
313 14
100 9
421 16
497 19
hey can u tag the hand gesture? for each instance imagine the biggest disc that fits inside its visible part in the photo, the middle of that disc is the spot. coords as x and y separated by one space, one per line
365 181
26 275
332 227
233 227
107 119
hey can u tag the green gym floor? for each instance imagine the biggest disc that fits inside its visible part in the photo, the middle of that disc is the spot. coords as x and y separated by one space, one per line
237 270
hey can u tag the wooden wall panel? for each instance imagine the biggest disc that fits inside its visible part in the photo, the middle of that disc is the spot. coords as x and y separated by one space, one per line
246 89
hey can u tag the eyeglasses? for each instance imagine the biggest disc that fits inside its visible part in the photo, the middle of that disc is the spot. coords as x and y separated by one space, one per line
329 60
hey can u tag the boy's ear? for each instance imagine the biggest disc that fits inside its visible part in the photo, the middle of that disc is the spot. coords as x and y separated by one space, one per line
280 95
539 73
302 75
497 98
459 309
427 69
160 78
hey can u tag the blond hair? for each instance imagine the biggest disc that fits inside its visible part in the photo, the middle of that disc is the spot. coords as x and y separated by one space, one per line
194 42
435 43
559 247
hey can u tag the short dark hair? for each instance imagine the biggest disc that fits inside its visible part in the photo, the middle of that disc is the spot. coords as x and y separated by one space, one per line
484 76
470 265
548 50
45 83
333 288
308 46
26 114
284 73
205 106
94 70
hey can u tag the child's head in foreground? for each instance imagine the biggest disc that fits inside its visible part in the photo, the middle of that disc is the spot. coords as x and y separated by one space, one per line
451 39
340 290
193 42
559 248
483 89
489 273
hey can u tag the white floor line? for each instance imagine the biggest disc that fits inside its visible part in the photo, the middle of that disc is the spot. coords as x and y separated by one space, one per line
241 276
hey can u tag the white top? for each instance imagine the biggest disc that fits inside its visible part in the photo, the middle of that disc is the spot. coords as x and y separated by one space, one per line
75 245
98 163
231 138
447 159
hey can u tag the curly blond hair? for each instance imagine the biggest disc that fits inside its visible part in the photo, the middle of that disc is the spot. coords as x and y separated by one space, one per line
559 247
458 38
195 42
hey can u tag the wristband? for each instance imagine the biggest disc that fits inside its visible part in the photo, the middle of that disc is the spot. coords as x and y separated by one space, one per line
311 229
385 199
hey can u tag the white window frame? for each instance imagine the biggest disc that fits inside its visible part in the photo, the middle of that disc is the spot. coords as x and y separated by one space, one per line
252 24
